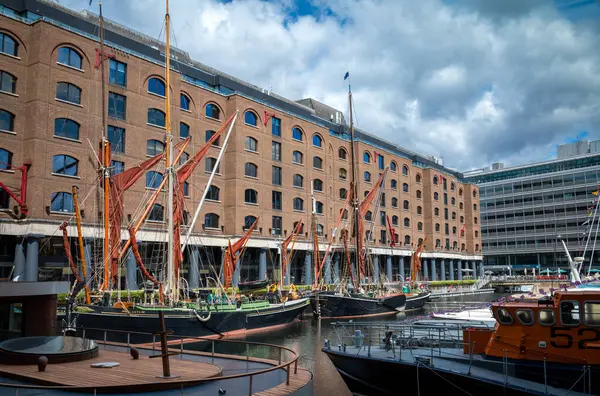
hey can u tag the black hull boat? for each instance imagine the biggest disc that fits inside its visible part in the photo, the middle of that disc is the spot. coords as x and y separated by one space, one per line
416 301
253 285
183 322
331 305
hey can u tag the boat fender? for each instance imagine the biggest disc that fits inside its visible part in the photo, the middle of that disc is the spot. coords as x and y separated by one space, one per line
203 319
421 286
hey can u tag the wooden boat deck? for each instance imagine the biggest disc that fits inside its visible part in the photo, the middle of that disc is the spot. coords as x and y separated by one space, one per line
297 381
141 373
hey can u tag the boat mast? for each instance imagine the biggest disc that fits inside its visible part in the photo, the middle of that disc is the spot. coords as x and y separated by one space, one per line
105 153
81 249
353 185
171 283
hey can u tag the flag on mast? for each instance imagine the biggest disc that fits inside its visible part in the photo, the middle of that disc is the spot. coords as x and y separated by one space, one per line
346 75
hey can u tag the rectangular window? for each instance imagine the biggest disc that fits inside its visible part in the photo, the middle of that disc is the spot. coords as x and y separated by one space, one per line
116 137
276 151
446 213
117 167
118 73
447 229
382 202
382 218
276 176
445 199
117 106
275 126
276 227
448 244
276 200
381 161
383 236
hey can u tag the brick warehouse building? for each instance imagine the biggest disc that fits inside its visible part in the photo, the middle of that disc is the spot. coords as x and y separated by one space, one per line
51 117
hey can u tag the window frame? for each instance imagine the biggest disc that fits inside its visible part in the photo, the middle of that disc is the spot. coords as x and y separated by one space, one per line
3 37
71 51
152 111
214 108
65 166
246 113
561 313
509 315
65 193
525 310
211 215
116 72
553 317
11 121
67 121
585 321
248 142
162 83
116 99
183 96
70 87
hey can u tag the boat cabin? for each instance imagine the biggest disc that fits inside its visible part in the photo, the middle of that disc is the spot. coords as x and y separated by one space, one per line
562 328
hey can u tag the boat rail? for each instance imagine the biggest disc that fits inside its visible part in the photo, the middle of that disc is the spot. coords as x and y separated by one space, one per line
285 358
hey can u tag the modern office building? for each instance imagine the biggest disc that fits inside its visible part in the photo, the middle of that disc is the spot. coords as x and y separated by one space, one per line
280 150
524 208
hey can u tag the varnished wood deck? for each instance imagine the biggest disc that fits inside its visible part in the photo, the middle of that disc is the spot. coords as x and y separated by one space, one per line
130 373
297 381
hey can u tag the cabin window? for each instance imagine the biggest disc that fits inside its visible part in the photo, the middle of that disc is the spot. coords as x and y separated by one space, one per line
525 316
504 316
547 317
591 311
569 313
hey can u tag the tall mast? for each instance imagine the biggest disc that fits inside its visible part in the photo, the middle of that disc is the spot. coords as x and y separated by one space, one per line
353 185
105 153
172 283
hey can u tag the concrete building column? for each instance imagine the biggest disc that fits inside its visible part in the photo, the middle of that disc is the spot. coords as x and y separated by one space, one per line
388 268
235 279
451 269
328 270
425 270
375 268
443 269
131 271
308 268
474 269
459 263
19 271
194 271
288 273
262 264
31 259
433 270
87 253
336 267
402 267
481 272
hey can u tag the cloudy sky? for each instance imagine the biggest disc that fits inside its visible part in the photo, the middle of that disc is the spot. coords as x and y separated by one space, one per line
473 81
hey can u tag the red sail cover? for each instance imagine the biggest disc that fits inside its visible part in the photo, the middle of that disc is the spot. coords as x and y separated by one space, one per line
183 173
284 245
363 208
232 254
119 184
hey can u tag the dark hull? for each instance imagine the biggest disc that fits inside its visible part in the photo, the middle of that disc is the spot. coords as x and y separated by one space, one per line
414 303
247 286
328 305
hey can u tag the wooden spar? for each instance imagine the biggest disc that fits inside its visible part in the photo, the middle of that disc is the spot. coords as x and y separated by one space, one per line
284 244
416 263
353 184
315 237
81 250
348 263
140 263
333 233
106 246
67 246
151 202
363 250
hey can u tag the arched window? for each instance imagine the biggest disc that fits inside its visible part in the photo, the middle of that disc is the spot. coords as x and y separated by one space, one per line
367 177
418 178
454 230
61 202
300 228
460 206
475 220
438 243
64 91
186 189
462 219
343 174
475 207
156 86
437 227
343 193
344 214
405 187
8 82
342 153
297 134
436 211
6 159
212 111
184 130
369 216
250 118
250 169
66 128
418 194
394 202
419 210
317 140
454 245
406 205
407 240
405 172
8 45
406 222
298 180
366 157
476 247
208 135
317 162
462 247
157 213
297 157
69 57
476 234
419 226
213 193
251 196
154 147
64 165
453 215
156 117
320 229
453 201
211 220
318 185
394 184
319 207
7 120
420 241
209 165
452 186
436 196
250 144
393 166
298 204
184 102
474 193
366 193
435 180
186 218
249 221
395 220
153 179
460 192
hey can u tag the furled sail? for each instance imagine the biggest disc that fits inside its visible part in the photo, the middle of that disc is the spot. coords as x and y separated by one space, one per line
233 253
